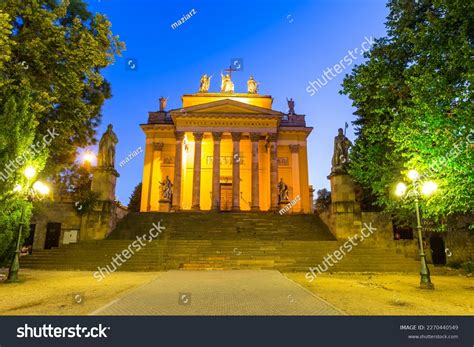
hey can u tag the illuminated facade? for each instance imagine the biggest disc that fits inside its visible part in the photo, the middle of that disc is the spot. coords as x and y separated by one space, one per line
225 152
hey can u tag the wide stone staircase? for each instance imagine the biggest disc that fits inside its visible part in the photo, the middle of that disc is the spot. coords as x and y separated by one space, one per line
214 241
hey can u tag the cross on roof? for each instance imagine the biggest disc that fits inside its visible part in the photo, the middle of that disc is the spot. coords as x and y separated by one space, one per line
229 70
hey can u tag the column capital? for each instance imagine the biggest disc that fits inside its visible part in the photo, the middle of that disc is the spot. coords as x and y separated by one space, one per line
158 146
179 135
255 137
216 136
272 137
294 148
198 136
236 136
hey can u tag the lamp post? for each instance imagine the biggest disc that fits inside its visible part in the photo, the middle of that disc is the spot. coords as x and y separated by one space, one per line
40 189
427 189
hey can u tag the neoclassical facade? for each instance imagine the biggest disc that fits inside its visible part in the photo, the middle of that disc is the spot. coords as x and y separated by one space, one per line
225 152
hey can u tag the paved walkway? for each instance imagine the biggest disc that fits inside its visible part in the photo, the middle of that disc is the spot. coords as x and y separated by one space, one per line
243 292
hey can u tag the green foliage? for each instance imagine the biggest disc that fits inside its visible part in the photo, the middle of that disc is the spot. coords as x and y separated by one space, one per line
323 200
135 198
57 50
51 56
414 106
17 134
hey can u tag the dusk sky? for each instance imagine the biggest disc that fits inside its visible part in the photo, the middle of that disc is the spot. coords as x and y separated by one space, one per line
283 44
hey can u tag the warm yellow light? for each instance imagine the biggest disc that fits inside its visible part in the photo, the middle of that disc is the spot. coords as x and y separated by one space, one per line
401 189
413 175
30 172
41 188
429 188
17 188
88 157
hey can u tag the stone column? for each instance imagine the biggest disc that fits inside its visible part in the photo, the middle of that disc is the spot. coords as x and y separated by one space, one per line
197 171
295 173
178 170
236 171
216 172
254 138
154 175
272 138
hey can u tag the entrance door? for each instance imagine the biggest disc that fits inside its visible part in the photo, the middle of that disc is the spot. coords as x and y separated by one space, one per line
438 250
226 196
53 233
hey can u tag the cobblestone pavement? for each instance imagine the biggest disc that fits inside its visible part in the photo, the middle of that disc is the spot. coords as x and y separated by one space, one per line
242 292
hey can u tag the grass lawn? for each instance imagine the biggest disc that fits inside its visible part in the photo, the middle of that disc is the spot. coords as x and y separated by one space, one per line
392 294
65 292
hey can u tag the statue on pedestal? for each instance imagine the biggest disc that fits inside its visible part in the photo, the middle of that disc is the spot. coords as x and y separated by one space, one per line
252 86
282 191
226 85
167 189
163 103
106 157
205 83
341 152
291 106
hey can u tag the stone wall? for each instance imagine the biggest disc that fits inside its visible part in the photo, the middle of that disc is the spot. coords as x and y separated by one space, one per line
95 225
54 212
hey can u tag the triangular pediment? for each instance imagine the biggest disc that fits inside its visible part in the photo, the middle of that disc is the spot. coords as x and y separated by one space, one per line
226 106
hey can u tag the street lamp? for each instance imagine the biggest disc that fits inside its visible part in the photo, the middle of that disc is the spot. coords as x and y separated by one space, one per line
39 189
87 159
427 189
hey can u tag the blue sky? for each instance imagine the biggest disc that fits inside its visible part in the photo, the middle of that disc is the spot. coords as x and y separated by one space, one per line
283 44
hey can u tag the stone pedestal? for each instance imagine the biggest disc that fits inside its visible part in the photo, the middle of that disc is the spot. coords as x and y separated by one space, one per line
164 205
103 182
99 222
345 219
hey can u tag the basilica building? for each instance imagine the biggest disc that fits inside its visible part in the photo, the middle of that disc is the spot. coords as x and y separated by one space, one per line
226 151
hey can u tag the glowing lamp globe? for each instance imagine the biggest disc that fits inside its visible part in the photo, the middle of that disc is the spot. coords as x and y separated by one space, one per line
41 188
29 172
401 189
413 175
429 188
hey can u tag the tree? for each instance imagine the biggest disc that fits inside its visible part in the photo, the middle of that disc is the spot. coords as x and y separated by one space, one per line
413 100
17 135
51 56
57 50
135 198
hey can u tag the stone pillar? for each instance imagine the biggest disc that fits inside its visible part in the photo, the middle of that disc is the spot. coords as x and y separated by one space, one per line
178 170
197 171
216 172
236 171
295 173
272 138
345 210
254 138
154 173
